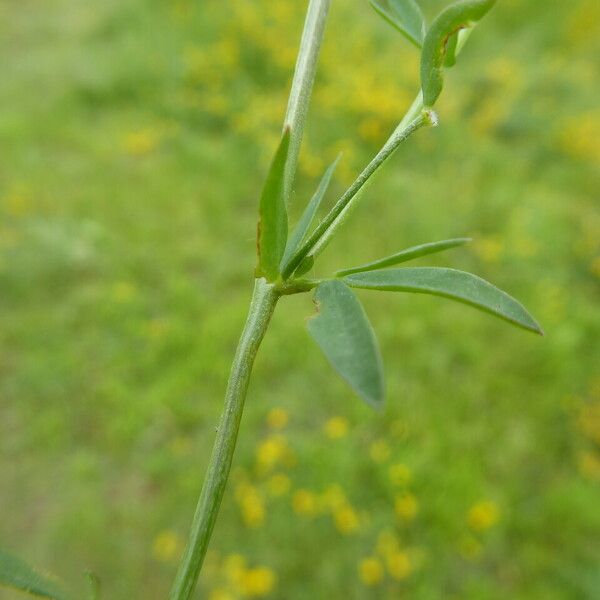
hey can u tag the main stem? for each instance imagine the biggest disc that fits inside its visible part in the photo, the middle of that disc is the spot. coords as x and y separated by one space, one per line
261 309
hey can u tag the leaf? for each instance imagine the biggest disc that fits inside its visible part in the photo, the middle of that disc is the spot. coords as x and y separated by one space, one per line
19 575
344 334
405 256
448 283
308 215
272 224
441 41
405 15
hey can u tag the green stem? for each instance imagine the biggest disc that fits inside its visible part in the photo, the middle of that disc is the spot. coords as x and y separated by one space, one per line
302 84
414 119
261 309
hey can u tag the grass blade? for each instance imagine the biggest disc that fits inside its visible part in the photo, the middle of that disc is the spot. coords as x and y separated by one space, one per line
19 575
272 224
343 332
448 283
441 39
406 255
308 215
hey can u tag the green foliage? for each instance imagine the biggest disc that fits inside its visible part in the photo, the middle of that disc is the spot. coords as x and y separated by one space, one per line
19 575
439 47
448 283
272 224
406 255
406 16
308 215
343 332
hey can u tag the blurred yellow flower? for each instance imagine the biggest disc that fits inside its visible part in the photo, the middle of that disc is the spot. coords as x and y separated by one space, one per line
304 503
399 474
251 505
580 136
380 451
167 546
489 249
278 484
256 582
333 497
346 520
277 418
399 565
589 465
141 142
220 594
234 567
588 421
123 291
470 548
406 507
336 428
483 515
387 543
370 571
271 452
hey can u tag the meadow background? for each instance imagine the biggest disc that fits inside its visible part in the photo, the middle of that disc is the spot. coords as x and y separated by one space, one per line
134 136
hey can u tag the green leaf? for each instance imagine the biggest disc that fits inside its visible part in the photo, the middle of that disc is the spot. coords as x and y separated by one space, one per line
448 283
17 574
405 15
441 41
344 334
272 224
405 256
308 215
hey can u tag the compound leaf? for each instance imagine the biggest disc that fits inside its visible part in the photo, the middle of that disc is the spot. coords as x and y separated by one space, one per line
343 332
448 283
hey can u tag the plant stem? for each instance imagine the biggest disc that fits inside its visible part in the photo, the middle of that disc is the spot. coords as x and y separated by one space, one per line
261 309
414 119
302 84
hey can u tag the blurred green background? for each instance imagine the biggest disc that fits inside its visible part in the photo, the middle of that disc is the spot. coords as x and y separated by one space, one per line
134 137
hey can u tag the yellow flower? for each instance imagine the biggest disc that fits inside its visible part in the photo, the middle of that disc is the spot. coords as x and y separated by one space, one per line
220 594
370 571
336 428
234 567
167 546
277 418
251 505
304 503
589 421
387 543
483 515
399 474
278 484
589 465
346 520
271 452
470 548
399 565
333 497
380 451
140 143
257 582
406 507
